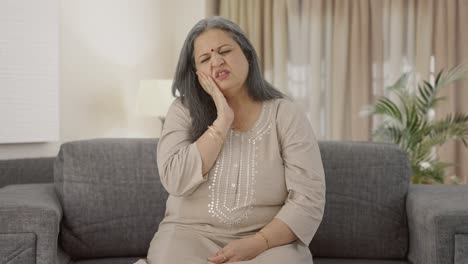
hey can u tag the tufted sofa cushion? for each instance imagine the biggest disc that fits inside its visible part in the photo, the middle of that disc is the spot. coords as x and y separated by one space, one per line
365 215
111 196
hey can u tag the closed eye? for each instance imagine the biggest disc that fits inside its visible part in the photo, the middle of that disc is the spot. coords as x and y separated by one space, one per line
221 52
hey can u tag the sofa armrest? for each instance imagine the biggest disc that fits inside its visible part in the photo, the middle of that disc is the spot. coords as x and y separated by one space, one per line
438 224
29 223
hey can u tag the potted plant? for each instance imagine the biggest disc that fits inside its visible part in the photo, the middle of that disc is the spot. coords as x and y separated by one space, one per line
407 115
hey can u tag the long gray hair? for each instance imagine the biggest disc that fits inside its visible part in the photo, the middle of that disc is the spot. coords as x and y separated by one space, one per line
200 104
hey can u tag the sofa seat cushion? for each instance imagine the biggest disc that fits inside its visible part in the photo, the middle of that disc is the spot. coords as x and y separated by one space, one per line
111 196
357 261
108 261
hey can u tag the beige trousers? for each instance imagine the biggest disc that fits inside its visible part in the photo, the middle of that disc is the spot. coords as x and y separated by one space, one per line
190 247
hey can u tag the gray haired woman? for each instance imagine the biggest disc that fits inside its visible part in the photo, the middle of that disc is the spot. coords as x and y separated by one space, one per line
240 161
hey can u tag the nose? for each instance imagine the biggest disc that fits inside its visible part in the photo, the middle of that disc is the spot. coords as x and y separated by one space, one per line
217 60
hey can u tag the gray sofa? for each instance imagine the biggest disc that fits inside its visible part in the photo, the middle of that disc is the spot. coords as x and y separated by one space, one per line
105 201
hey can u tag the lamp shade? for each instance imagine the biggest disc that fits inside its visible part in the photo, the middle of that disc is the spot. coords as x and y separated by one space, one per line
154 97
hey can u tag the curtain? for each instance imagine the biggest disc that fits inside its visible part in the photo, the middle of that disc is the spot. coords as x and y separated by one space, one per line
307 52
450 48
265 24
336 56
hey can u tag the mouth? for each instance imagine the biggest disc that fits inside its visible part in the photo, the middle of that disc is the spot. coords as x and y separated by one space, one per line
221 74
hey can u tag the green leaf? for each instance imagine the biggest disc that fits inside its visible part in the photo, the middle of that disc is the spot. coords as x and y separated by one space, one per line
405 122
437 79
386 107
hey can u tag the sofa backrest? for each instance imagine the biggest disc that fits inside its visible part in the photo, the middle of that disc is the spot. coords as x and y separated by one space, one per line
111 196
365 215
113 199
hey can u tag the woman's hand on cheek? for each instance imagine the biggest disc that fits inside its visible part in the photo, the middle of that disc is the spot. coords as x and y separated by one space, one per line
239 250
224 110
203 80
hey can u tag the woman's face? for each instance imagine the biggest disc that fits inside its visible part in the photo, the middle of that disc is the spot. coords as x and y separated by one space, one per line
218 55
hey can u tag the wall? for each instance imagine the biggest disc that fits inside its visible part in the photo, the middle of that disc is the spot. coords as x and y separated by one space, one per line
29 61
106 47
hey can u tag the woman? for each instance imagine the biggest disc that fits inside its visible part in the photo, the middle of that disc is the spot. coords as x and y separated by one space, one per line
240 162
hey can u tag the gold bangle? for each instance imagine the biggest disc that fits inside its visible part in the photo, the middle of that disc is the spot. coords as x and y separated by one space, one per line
264 238
216 137
214 129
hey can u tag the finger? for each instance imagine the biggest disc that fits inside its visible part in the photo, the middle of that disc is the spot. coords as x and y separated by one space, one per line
207 82
217 95
203 82
213 259
219 259
212 82
215 255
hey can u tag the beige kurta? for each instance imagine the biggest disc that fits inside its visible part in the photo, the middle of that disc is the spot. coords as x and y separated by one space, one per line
274 170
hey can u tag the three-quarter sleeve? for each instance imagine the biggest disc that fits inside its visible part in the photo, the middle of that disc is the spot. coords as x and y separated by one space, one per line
304 175
179 160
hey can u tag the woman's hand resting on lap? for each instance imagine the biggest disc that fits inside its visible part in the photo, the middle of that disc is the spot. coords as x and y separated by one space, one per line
240 250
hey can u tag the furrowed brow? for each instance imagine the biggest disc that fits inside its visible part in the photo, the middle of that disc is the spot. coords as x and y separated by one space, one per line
218 48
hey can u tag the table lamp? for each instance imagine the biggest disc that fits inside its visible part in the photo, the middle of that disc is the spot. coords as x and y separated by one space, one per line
154 98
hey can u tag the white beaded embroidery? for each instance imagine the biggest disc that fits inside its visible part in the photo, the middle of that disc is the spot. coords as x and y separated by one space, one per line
232 182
